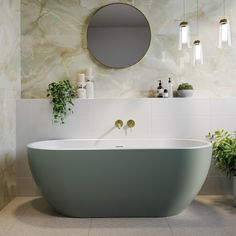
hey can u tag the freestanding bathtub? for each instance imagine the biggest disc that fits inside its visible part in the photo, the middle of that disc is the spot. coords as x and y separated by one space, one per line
120 178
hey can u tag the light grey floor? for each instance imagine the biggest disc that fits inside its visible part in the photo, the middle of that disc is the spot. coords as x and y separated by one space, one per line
206 216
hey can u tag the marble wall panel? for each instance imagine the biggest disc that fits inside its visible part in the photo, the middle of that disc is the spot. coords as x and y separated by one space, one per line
54 48
9 91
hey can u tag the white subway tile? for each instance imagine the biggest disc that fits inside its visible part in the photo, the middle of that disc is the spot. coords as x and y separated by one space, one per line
180 126
216 186
24 186
223 122
223 107
180 106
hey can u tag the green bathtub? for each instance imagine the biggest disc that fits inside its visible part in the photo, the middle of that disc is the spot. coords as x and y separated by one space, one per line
120 178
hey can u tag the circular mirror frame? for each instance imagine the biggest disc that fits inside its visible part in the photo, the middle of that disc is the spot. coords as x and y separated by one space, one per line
94 13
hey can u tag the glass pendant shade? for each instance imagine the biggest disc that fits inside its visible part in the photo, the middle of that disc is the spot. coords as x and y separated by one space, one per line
197 52
224 33
184 35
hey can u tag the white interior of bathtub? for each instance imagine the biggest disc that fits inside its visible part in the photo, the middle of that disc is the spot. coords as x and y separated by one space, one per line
111 144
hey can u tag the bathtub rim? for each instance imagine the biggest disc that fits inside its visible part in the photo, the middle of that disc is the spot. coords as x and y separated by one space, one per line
202 144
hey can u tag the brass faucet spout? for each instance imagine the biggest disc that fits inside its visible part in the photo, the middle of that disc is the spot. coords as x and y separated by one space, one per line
130 123
119 124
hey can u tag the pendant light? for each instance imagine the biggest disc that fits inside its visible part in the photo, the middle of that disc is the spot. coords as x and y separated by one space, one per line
224 31
197 46
184 31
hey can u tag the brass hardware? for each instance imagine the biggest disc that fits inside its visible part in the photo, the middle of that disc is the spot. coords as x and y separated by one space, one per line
223 21
119 124
183 24
196 42
131 123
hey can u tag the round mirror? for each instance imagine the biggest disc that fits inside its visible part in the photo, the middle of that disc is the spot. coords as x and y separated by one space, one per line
118 35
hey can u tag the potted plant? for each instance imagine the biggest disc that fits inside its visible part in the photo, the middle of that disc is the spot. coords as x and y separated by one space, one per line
224 153
62 93
185 90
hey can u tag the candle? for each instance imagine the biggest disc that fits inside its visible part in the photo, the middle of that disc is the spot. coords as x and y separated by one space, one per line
81 93
81 77
89 71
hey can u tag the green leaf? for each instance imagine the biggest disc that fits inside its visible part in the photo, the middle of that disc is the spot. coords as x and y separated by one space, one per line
224 151
62 93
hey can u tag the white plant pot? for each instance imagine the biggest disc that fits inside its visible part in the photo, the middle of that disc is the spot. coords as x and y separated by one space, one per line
234 191
185 93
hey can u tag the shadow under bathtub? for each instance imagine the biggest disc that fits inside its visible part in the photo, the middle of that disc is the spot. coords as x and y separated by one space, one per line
39 213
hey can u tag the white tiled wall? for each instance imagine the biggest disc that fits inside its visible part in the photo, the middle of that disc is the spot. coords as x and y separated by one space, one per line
155 118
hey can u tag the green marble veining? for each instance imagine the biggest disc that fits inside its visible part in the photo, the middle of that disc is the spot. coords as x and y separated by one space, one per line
7 179
9 91
53 39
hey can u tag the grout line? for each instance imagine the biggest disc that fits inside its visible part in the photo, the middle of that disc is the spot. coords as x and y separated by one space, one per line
171 231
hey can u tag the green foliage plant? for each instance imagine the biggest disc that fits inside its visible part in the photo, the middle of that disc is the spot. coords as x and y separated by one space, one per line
224 151
62 93
185 86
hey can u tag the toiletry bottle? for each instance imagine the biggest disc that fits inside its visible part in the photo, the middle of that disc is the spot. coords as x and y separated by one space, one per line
165 94
81 91
160 90
90 88
170 88
89 83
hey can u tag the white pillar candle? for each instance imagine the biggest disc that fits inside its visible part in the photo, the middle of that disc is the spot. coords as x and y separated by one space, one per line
81 77
89 71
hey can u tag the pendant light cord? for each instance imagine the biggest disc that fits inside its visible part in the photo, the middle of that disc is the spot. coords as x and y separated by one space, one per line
197 21
184 10
224 7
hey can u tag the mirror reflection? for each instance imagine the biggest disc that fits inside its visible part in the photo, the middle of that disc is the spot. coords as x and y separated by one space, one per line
118 35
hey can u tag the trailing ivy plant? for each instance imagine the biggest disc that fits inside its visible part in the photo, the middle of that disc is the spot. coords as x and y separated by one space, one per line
224 151
62 93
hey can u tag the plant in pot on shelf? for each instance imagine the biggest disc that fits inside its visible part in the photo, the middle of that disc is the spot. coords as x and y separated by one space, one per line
62 93
185 90
224 153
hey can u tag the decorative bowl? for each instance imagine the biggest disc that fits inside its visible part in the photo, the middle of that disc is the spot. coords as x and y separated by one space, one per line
185 93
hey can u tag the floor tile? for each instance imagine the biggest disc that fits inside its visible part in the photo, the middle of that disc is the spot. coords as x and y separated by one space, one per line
207 215
7 214
130 227
35 217
32 216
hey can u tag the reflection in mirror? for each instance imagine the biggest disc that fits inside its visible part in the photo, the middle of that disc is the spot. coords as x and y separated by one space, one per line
118 35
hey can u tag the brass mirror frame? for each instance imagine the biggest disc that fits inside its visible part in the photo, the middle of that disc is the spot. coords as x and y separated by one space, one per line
115 3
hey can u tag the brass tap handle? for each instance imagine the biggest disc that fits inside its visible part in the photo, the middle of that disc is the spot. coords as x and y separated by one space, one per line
131 123
119 124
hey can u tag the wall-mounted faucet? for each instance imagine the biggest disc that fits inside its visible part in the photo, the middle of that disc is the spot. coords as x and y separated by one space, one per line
130 123
119 124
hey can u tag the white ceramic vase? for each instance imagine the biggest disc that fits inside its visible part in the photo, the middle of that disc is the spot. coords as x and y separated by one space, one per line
234 191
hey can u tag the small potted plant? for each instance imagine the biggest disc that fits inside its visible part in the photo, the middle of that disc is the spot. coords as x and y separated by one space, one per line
224 153
62 93
185 90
